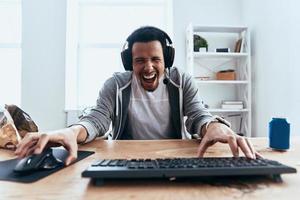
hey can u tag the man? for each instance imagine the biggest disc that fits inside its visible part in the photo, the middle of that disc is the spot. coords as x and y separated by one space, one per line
148 101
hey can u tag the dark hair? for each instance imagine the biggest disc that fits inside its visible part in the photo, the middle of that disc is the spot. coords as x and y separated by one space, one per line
147 34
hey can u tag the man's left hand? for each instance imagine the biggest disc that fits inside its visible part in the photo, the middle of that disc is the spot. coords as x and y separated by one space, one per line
218 132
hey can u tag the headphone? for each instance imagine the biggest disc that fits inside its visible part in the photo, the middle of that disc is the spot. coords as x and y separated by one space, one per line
168 50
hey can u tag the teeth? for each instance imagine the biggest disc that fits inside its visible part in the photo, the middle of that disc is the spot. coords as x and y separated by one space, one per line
148 76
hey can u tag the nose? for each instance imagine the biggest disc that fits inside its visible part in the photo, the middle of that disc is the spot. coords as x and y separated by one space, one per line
148 65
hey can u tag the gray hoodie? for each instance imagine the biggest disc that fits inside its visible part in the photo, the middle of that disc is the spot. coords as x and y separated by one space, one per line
114 97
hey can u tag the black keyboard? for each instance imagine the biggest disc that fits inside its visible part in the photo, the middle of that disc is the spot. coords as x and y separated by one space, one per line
183 168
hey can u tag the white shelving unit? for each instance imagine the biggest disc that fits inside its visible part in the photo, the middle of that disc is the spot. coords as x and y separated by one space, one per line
204 65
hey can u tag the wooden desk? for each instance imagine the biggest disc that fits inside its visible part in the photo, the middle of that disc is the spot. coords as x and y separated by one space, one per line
68 184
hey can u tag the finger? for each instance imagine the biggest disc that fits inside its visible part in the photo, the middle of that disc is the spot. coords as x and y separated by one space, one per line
30 151
250 147
244 147
72 154
26 141
204 144
23 152
71 158
258 155
39 147
72 146
233 145
24 144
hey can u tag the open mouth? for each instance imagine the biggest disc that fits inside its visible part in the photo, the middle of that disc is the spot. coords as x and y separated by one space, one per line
149 81
149 78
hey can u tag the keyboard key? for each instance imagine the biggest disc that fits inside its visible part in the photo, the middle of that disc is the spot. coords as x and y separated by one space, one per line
113 163
104 163
97 163
122 163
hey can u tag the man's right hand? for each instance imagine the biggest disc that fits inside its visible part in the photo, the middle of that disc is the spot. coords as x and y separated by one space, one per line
35 142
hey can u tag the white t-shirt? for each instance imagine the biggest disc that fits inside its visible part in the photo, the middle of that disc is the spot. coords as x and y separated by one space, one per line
149 113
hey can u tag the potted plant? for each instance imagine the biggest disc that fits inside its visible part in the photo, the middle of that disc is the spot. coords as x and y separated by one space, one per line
200 43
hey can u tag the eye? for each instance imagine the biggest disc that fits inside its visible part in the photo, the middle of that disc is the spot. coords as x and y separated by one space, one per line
156 59
139 60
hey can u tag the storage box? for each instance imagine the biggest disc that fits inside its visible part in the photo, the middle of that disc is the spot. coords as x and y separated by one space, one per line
226 75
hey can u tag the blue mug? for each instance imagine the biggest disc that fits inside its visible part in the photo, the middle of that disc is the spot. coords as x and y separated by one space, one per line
279 134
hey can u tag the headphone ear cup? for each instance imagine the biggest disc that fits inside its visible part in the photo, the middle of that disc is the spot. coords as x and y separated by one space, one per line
169 56
126 59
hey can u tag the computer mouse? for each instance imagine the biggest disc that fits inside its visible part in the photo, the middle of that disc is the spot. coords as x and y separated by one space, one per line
43 161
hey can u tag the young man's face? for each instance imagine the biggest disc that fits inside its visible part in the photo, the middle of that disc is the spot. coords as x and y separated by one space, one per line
148 63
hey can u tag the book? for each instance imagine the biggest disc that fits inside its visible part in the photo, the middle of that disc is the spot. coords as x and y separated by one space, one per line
243 42
222 50
238 45
232 102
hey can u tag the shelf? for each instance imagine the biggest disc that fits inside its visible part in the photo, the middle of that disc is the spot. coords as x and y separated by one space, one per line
219 110
219 54
219 29
220 82
206 64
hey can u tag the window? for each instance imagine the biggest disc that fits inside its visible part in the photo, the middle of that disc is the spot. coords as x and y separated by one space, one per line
10 52
96 33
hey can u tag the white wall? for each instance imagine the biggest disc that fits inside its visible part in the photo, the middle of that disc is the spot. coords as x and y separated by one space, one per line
203 12
275 60
43 61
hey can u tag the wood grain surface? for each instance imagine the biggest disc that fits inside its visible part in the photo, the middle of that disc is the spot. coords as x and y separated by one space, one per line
68 184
